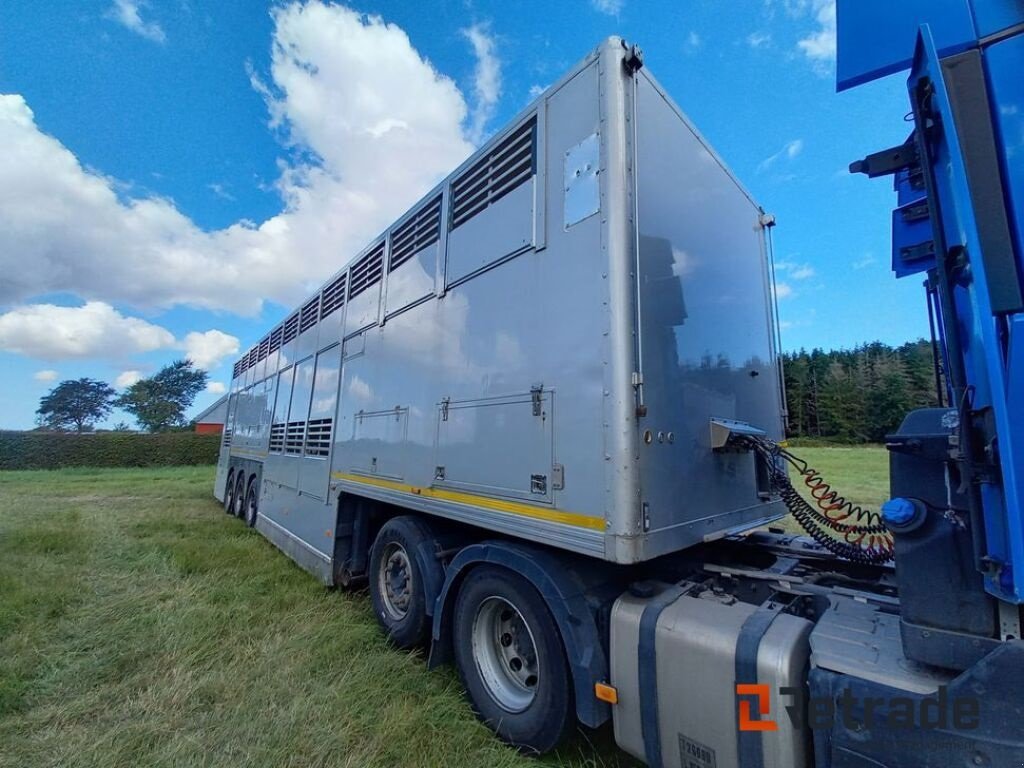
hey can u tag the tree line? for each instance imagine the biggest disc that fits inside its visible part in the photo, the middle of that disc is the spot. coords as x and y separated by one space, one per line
860 394
158 403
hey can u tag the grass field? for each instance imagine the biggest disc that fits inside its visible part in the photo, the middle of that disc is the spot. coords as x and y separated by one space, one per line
140 626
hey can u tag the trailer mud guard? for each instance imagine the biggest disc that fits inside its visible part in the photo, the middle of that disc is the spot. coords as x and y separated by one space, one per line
563 591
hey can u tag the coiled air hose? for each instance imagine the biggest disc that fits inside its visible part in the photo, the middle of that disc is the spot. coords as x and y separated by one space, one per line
842 527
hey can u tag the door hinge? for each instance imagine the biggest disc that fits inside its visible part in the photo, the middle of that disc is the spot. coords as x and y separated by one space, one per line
557 477
638 386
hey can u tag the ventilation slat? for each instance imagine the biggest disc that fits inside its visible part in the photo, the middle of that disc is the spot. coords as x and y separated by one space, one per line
277 432
496 163
275 339
514 145
294 437
498 185
226 438
333 297
366 271
310 314
422 230
318 437
264 349
291 328
507 166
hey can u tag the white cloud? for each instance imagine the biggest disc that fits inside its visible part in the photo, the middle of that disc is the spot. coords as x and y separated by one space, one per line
794 270
126 378
693 41
802 272
207 349
759 39
126 13
45 376
610 7
96 329
360 390
789 151
376 127
486 79
216 388
220 190
783 290
820 45
867 260
536 90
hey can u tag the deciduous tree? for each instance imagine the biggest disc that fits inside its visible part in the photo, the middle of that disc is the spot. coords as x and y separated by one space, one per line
159 402
75 404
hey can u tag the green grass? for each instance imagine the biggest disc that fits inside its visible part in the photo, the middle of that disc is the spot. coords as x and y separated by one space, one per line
861 473
141 626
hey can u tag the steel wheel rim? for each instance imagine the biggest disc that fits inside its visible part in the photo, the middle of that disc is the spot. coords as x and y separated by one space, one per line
505 654
239 501
250 508
394 581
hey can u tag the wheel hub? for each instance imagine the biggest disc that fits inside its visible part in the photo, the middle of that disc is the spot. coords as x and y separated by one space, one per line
505 654
395 581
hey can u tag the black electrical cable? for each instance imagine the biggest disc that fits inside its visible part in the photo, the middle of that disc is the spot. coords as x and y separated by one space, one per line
865 539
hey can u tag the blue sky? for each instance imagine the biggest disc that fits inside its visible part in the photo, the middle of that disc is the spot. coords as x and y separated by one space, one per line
165 161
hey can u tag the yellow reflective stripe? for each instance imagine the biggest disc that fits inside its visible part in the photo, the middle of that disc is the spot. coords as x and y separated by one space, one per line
487 502
244 452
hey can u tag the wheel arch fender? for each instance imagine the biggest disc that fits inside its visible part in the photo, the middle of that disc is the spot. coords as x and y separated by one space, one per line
563 592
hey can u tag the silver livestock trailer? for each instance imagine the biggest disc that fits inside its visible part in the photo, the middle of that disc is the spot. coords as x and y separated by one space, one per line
525 383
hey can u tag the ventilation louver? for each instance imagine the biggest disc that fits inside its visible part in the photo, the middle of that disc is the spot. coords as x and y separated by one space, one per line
367 271
291 328
226 441
294 436
504 168
310 314
277 437
318 437
421 230
264 349
333 297
275 339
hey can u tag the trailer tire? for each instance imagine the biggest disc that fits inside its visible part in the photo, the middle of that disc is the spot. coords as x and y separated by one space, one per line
238 499
251 504
510 657
229 493
397 584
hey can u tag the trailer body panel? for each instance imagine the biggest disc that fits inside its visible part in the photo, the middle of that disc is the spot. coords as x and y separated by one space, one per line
482 359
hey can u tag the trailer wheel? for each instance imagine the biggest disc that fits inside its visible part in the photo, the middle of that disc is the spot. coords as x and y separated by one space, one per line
251 504
229 493
238 500
397 586
510 657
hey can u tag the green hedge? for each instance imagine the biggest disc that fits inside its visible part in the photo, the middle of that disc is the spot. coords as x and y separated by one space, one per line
50 450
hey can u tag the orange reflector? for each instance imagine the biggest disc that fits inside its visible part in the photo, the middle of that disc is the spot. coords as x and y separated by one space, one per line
605 692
